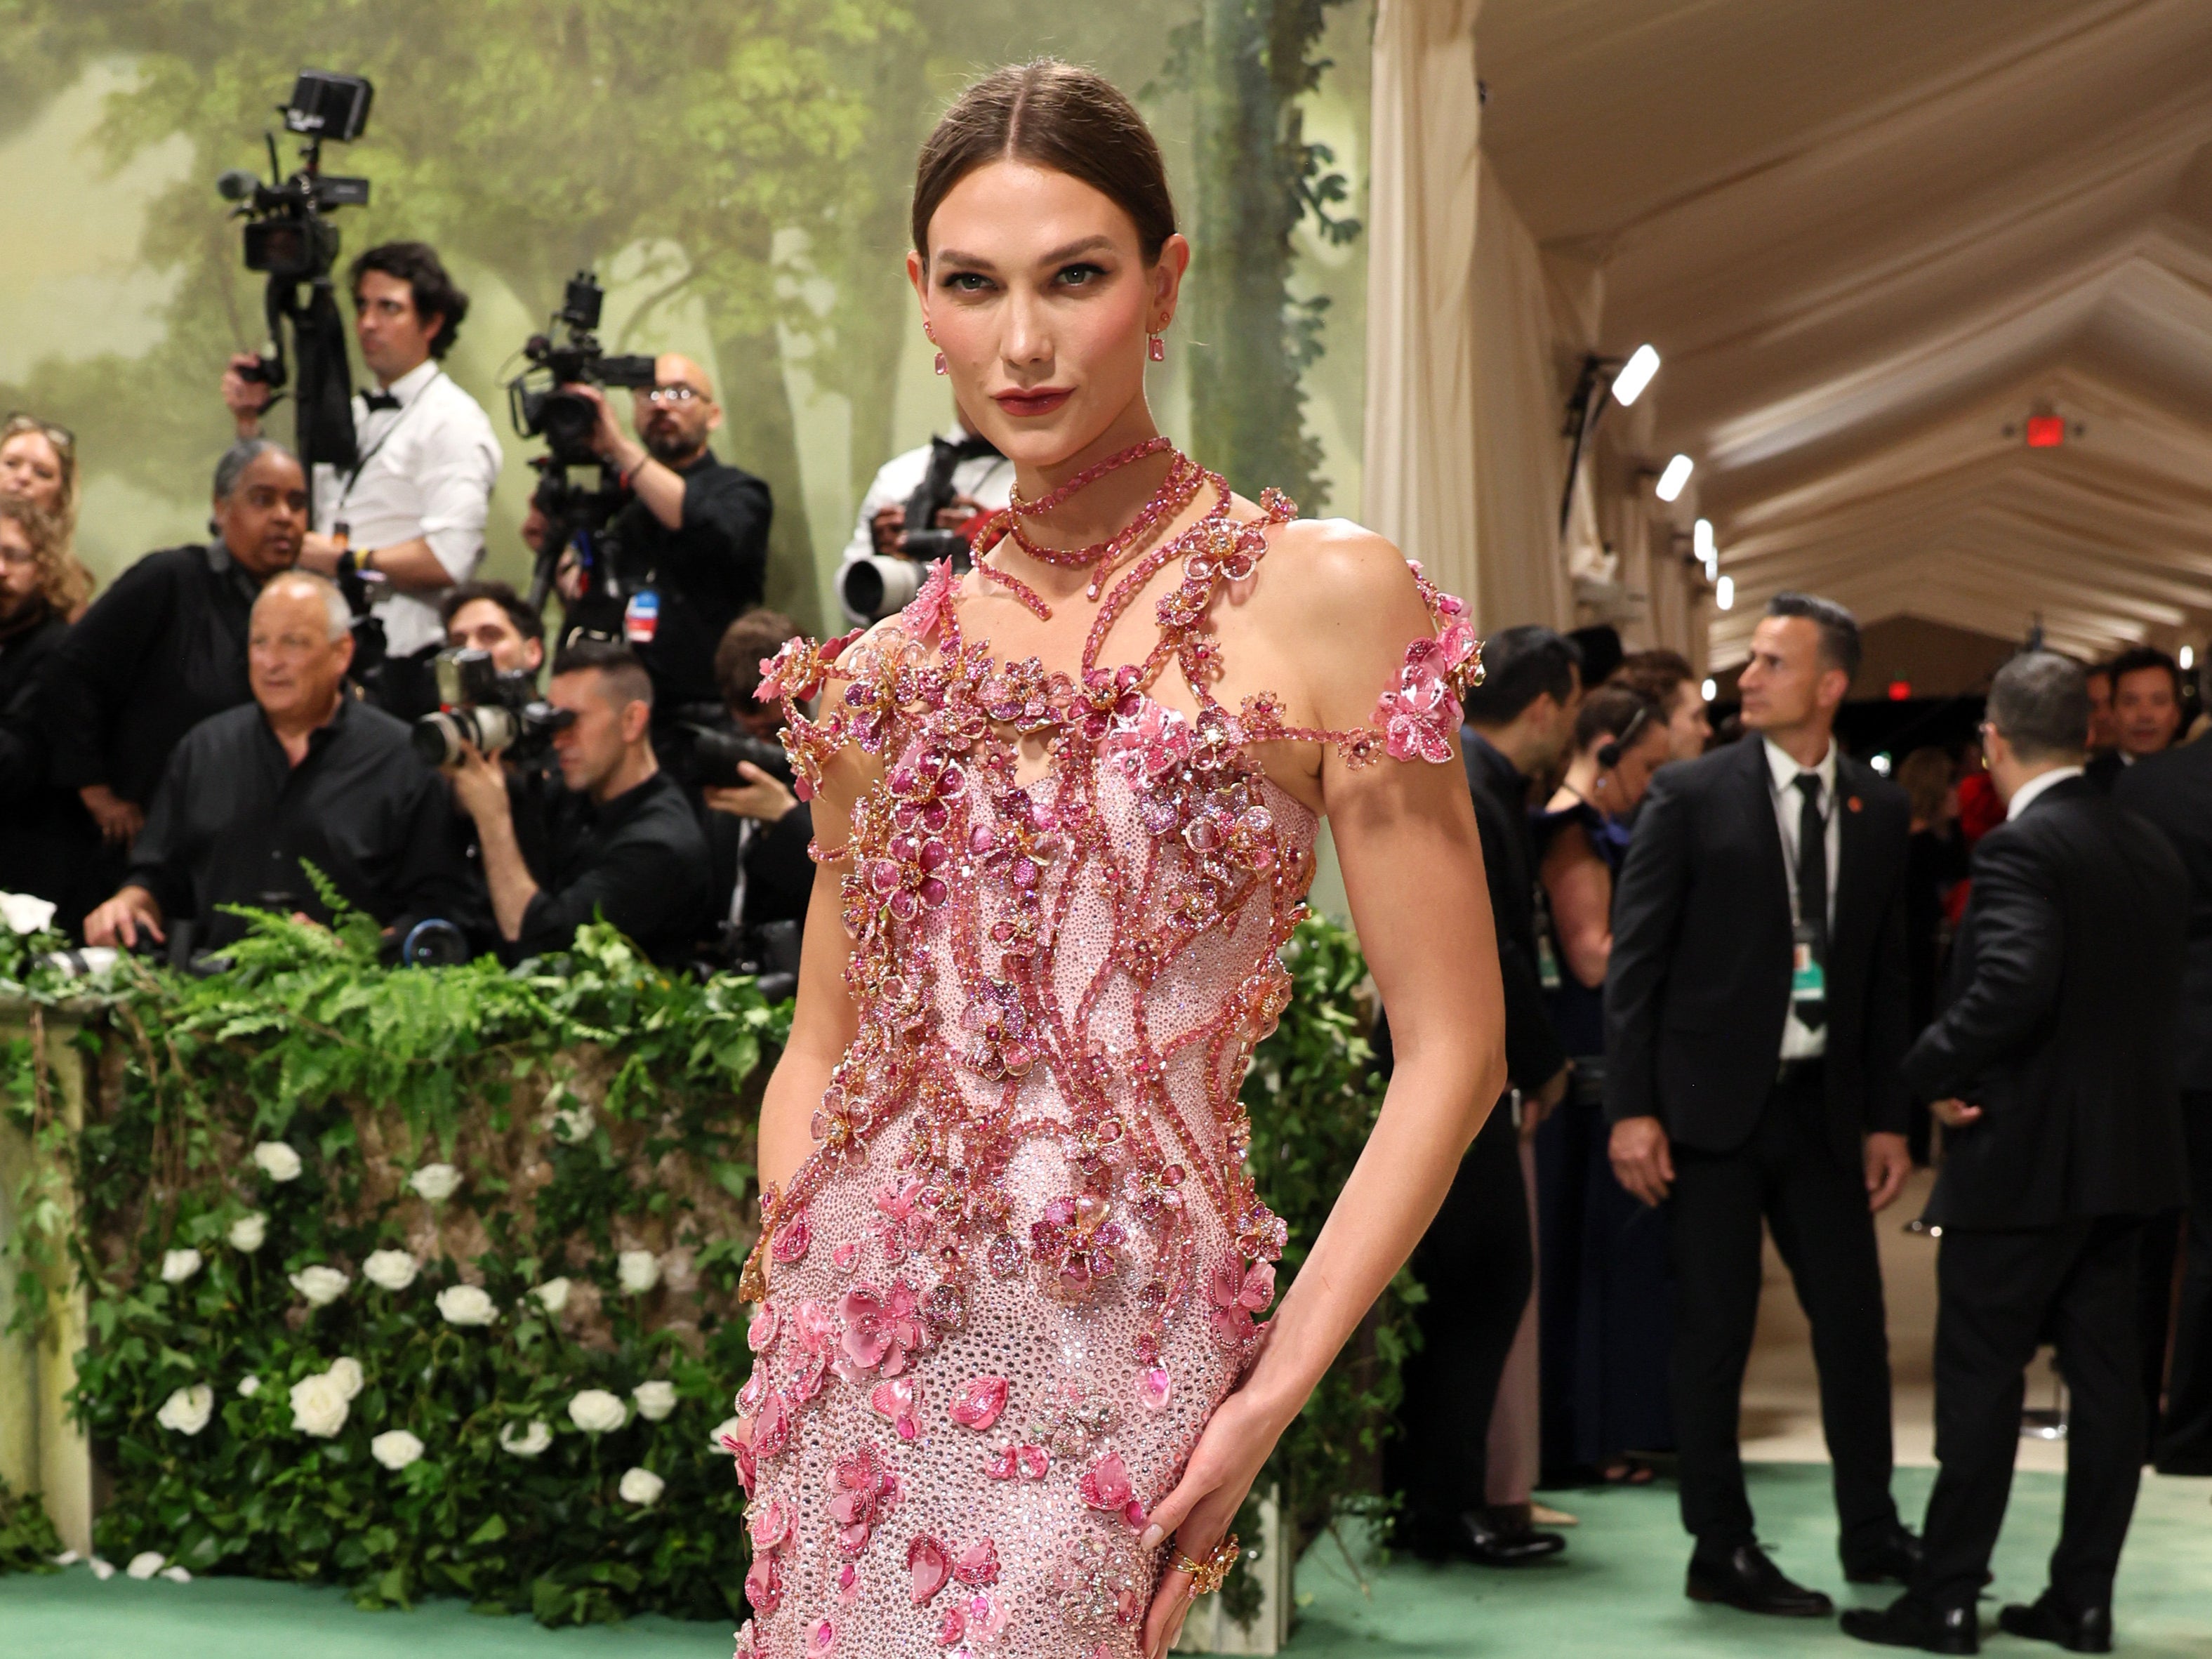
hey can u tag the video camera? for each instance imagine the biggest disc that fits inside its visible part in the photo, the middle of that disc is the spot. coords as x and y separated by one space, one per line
288 238
480 708
540 406
715 754
874 586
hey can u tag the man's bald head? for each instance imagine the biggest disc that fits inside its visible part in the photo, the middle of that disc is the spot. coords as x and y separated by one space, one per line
674 418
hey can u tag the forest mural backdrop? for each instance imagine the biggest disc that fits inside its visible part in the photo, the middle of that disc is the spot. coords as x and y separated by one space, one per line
738 173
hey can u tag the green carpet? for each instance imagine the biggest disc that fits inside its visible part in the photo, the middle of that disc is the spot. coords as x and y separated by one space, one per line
1617 1591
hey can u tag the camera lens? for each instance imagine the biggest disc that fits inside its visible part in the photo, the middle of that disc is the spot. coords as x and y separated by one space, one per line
434 943
437 738
875 586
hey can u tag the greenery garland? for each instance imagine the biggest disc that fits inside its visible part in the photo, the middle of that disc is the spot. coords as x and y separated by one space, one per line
421 1281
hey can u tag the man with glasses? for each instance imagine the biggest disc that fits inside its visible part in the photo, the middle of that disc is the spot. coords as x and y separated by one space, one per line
691 546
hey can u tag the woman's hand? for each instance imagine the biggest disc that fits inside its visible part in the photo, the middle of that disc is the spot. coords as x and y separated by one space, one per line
1201 1510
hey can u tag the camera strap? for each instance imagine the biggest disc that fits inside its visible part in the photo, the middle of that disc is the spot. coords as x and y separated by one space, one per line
346 495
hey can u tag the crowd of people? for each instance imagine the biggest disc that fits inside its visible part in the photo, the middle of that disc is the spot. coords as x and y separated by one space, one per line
1743 975
227 724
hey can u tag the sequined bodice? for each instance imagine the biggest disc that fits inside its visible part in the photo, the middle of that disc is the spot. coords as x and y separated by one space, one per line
1029 1194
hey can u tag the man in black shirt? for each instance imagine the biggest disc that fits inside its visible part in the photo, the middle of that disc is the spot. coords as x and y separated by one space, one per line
164 647
692 547
304 775
626 845
757 830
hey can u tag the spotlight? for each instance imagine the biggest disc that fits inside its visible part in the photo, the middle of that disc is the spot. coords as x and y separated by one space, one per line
1881 763
1709 554
1724 593
1676 475
1708 691
2187 658
1635 374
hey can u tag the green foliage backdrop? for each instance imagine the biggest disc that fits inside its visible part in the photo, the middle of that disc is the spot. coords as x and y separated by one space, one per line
568 1317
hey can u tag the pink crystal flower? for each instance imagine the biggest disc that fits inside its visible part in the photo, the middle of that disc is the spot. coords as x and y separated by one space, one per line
904 1225
1418 717
1022 1461
978 1403
792 1239
1076 1243
978 1563
899 1400
764 1585
862 1488
1105 1486
882 1328
930 1564
1151 743
1238 1293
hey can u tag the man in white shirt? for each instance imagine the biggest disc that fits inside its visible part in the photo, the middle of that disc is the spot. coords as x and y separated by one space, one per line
980 480
410 514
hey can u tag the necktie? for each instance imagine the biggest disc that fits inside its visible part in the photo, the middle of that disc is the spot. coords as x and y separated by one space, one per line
1813 885
372 401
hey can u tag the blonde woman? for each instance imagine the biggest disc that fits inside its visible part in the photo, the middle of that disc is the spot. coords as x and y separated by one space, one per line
48 846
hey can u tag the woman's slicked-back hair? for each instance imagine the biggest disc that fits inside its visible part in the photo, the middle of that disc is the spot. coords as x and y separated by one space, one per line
1053 115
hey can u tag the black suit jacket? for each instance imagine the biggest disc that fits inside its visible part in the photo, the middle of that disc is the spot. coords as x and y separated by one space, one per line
1698 985
1534 1052
2066 980
2174 790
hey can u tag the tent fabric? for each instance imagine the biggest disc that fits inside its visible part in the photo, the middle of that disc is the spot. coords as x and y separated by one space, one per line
1871 237
1418 437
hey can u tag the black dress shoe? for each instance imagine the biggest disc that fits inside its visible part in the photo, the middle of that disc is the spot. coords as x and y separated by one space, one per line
1897 1557
1906 1623
2089 1631
1494 1538
1749 1580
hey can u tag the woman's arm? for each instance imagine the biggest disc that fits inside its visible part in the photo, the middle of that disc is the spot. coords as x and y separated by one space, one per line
1406 837
1580 887
822 1026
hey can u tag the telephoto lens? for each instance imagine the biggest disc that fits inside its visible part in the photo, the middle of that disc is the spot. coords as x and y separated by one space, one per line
871 587
442 738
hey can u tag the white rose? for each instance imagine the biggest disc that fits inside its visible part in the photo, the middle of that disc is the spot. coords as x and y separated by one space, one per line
176 1574
595 1411
103 1570
552 1295
26 915
320 1285
394 1270
346 1372
728 1426
530 1442
249 1232
320 1405
654 1400
638 1270
177 1265
435 1181
277 1160
187 1409
641 1486
467 1304
145 1564
395 1448
248 1387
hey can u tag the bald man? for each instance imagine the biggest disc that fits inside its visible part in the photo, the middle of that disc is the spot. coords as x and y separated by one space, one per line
304 774
690 549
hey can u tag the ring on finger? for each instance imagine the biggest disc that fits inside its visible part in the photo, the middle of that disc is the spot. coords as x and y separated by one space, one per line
1205 1575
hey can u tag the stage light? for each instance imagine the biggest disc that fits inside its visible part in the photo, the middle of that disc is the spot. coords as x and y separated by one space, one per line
1724 593
1707 689
1701 541
1635 374
1881 763
1676 475
2187 658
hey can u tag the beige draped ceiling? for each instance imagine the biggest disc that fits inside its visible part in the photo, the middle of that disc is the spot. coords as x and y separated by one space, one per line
1871 237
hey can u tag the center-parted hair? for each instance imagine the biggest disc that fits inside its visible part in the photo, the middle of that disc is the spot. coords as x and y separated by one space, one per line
1840 646
1519 664
1053 115
2039 704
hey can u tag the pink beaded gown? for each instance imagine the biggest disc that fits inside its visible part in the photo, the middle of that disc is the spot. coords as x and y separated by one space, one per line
999 1300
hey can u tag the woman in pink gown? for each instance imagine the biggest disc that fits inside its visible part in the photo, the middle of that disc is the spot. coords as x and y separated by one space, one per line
1011 1382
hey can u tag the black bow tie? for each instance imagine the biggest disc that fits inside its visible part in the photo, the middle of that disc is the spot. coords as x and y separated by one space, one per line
372 401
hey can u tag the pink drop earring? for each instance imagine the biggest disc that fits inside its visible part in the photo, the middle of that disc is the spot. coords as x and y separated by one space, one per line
931 333
940 362
1156 349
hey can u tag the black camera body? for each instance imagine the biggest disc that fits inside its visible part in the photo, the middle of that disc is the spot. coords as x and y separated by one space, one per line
481 708
715 754
875 586
544 409
290 241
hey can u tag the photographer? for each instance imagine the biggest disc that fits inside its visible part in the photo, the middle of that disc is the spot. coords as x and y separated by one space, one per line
164 647
757 830
969 478
410 515
693 542
305 775
625 845
492 617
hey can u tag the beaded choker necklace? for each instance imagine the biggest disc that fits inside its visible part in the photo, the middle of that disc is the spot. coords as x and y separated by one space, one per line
1177 491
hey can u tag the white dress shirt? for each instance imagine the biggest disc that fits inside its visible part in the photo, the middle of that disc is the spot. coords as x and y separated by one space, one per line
427 470
1798 1042
2024 796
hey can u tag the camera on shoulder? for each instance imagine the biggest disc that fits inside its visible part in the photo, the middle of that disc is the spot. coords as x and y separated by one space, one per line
481 708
